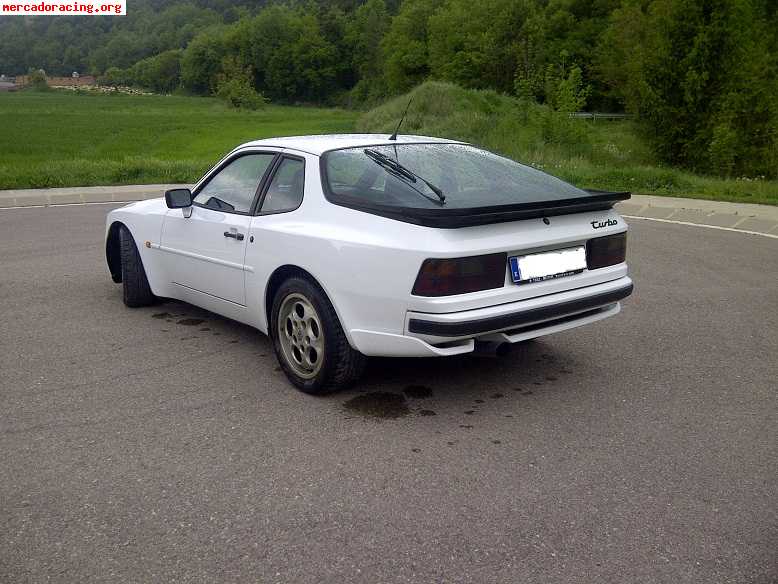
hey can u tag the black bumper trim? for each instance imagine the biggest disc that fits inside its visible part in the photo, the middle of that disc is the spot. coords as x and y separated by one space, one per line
517 319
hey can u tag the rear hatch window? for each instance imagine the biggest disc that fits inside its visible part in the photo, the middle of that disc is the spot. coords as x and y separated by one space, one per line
447 185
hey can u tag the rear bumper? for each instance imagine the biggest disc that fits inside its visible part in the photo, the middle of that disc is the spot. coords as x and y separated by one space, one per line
453 333
511 320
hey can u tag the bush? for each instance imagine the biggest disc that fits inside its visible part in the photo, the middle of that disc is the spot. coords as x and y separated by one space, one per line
239 93
160 73
37 80
114 76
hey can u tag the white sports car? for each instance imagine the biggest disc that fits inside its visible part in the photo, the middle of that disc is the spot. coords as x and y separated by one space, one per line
341 247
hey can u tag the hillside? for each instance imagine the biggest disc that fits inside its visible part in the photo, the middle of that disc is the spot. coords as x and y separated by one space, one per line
602 154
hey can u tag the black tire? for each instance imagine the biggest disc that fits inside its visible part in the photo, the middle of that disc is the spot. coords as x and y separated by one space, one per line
135 285
341 365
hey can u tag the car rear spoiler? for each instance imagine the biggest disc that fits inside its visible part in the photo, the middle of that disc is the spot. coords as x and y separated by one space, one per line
452 218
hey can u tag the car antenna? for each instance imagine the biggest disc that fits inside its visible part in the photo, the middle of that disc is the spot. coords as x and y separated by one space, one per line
402 118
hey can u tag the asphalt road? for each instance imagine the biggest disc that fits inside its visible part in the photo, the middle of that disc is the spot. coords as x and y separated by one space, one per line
145 446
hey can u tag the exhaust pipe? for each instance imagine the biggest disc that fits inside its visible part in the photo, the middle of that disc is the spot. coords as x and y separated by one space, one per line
503 349
491 349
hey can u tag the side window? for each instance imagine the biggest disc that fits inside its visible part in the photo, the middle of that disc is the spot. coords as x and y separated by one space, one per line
233 188
285 192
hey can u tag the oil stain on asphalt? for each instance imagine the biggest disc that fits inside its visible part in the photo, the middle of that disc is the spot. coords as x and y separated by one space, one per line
418 391
379 404
191 321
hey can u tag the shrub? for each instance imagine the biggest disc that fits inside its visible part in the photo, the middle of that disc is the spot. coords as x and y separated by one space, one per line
160 73
113 77
37 80
239 93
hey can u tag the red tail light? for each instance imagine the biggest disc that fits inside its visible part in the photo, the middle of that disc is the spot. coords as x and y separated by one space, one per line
606 251
445 277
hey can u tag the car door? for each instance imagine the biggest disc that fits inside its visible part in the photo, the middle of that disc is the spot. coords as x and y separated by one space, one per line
206 251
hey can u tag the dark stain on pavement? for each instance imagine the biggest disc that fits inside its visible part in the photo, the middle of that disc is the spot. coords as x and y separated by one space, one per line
191 321
418 391
379 404
427 413
161 315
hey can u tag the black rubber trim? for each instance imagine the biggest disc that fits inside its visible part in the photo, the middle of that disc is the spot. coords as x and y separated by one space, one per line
508 321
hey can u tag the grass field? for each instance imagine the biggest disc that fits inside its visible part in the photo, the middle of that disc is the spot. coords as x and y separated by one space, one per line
56 139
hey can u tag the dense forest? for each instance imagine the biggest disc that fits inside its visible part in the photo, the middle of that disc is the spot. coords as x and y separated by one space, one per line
699 75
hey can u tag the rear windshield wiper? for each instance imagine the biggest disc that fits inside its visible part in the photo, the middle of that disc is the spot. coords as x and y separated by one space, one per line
400 171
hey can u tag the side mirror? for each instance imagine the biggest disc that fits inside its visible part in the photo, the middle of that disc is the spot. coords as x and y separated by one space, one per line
178 198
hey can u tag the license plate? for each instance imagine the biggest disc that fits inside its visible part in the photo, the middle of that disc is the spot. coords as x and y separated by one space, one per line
547 265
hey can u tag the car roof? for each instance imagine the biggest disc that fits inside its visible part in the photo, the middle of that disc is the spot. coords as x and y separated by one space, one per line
318 144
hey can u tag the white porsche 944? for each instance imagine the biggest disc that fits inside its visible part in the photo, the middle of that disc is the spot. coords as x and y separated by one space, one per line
342 247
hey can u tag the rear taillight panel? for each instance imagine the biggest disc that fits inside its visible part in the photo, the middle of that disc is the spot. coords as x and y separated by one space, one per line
449 276
606 251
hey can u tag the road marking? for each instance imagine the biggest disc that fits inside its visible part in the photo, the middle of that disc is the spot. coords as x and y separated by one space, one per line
69 205
702 225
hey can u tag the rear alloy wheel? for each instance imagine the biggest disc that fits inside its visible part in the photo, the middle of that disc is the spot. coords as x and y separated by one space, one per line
309 341
299 333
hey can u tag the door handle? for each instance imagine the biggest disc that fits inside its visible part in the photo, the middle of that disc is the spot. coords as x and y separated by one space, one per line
238 236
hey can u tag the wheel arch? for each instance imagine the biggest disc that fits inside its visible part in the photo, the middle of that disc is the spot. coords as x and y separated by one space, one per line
283 273
113 251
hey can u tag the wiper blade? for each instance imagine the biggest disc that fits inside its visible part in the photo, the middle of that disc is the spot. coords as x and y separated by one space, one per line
401 171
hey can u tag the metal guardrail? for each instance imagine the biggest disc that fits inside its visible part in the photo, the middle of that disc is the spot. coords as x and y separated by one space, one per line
599 116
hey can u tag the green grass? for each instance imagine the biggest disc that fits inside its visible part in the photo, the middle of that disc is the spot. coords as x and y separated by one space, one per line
602 155
57 139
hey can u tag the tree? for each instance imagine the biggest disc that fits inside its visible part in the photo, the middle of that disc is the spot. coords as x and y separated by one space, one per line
201 61
477 44
289 57
702 81
364 33
405 46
